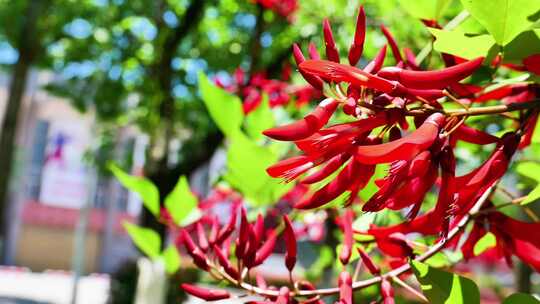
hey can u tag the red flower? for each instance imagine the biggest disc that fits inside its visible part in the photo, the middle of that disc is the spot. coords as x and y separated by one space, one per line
513 238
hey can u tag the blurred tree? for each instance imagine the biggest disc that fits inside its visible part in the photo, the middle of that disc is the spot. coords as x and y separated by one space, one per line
28 27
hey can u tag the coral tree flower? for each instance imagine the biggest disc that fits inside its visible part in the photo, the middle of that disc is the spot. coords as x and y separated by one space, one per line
375 97
513 237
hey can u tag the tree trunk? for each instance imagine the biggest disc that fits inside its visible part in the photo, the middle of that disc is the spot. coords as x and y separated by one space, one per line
157 170
27 45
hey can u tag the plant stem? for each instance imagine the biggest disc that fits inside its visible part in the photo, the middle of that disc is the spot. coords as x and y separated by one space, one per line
410 288
498 109
393 273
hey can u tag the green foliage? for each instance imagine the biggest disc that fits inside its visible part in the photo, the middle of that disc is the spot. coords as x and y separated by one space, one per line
425 9
246 171
147 240
260 119
143 187
525 44
520 298
461 44
445 287
532 196
171 258
182 203
504 19
324 259
488 241
362 222
509 25
530 170
224 108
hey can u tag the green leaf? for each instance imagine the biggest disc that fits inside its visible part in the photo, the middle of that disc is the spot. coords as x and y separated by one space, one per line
486 242
425 9
324 259
438 260
461 44
260 119
504 19
363 221
171 258
246 171
536 133
354 254
529 169
532 196
521 298
445 287
147 191
147 240
445 259
224 108
371 188
524 45
181 202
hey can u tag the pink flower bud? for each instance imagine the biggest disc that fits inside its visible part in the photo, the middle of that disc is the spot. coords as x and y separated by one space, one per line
205 294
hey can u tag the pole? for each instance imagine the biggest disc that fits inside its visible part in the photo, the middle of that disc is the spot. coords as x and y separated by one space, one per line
79 244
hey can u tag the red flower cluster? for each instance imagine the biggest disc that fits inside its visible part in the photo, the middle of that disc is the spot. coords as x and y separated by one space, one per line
285 8
279 92
378 98
513 238
379 102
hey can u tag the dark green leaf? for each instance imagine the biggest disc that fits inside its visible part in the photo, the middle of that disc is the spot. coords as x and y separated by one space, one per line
445 287
521 298
524 45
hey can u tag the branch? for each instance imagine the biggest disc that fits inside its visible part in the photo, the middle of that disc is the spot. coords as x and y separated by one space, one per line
498 109
389 275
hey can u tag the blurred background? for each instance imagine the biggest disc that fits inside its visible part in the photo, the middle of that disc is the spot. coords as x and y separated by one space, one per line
86 82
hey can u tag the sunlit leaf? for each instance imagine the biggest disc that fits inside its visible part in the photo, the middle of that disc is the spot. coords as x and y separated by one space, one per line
362 222
371 188
425 9
260 119
504 19
171 258
438 260
224 108
246 171
445 287
147 240
532 196
462 45
181 202
529 169
486 242
147 191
